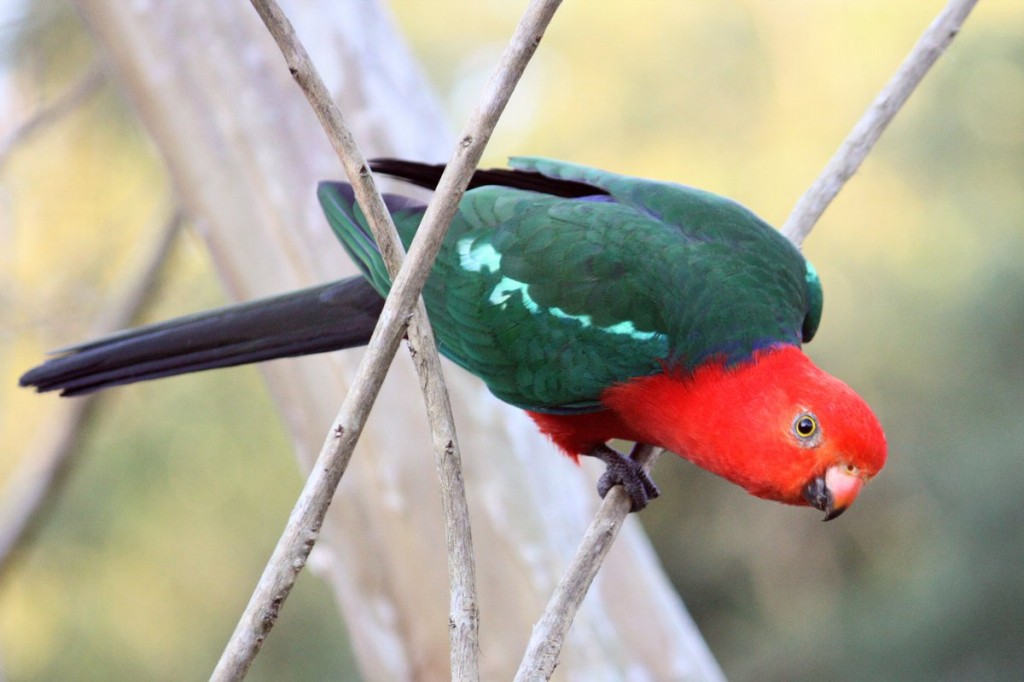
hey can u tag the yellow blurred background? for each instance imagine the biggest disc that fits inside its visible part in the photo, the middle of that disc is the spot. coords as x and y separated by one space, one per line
921 260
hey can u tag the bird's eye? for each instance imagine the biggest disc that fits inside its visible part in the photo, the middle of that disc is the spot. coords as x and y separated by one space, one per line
805 426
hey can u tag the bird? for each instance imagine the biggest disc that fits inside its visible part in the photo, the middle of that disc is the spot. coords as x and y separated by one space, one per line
608 307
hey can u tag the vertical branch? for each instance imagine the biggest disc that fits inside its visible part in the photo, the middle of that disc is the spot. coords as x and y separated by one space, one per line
463 609
865 134
303 525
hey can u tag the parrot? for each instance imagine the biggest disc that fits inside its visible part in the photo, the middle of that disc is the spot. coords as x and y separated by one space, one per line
608 307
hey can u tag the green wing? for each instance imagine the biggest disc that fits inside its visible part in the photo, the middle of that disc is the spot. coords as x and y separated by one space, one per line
552 300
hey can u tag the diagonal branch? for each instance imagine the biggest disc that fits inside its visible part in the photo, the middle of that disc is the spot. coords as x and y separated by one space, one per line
865 134
550 631
67 102
303 525
38 480
463 611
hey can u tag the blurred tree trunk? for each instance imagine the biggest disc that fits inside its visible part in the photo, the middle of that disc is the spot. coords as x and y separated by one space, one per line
245 153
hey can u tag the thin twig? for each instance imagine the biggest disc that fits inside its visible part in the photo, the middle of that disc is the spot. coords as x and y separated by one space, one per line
549 633
44 467
303 525
43 117
865 134
47 115
463 609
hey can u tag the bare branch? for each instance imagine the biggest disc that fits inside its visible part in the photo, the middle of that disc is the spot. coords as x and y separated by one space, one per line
303 526
38 479
87 86
549 633
865 134
463 610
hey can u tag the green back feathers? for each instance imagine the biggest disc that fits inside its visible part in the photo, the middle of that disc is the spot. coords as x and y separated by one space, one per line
551 300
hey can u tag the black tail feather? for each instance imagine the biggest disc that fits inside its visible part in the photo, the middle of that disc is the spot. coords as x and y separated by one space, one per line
428 175
316 320
330 317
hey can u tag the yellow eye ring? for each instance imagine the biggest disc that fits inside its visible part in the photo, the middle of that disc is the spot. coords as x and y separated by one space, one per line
805 426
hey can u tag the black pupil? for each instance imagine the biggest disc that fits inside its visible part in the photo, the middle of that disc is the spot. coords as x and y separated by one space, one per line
805 426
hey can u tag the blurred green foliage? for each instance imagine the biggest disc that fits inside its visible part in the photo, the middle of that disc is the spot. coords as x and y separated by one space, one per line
147 558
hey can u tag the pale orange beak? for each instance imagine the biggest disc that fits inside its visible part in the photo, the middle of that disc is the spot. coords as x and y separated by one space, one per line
835 491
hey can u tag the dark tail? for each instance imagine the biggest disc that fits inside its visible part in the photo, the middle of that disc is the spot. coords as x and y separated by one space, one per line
427 175
329 317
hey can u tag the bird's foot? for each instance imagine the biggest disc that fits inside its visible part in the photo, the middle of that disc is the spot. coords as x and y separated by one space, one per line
627 472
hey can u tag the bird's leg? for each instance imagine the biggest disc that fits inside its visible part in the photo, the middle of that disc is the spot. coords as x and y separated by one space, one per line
624 471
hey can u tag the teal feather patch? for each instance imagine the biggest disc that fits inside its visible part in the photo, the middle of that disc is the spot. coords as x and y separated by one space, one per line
815 303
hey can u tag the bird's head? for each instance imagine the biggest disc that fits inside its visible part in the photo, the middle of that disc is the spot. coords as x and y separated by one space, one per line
776 425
